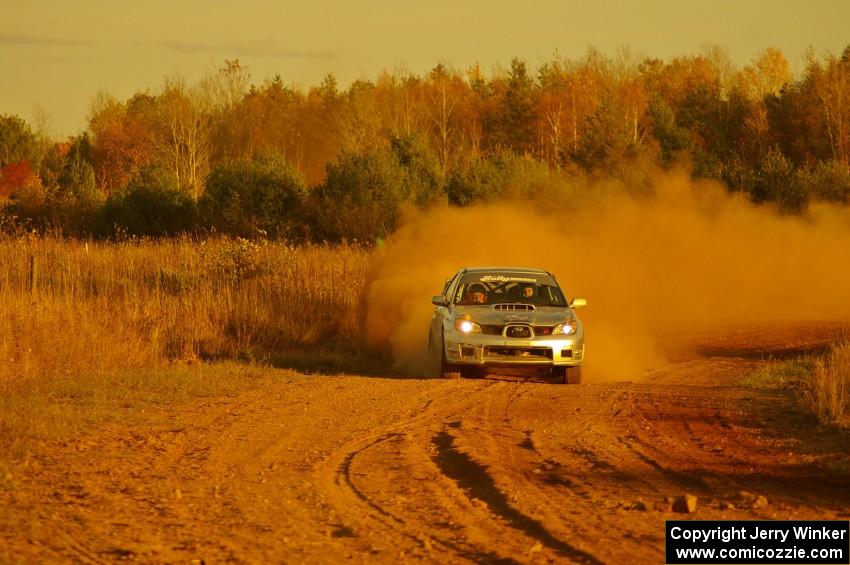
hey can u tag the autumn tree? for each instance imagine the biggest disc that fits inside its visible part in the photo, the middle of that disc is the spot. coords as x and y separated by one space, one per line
755 83
360 120
223 95
323 109
831 86
446 101
120 139
20 154
17 176
797 122
274 118
555 84
182 135
399 103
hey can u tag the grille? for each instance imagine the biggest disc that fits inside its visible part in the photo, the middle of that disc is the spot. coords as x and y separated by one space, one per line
518 331
517 353
514 307
495 329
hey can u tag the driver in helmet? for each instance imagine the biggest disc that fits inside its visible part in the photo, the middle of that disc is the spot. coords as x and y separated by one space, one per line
476 294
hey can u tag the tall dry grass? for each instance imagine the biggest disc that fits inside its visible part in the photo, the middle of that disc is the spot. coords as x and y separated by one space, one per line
71 306
827 392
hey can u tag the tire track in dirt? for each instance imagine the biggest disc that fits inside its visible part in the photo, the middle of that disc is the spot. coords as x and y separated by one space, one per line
417 439
473 478
688 435
398 523
405 459
538 484
344 475
680 479
576 494
315 469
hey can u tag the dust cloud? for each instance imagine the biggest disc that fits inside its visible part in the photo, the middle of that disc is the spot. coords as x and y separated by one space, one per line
688 256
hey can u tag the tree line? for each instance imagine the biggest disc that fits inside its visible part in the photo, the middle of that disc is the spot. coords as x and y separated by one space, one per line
328 163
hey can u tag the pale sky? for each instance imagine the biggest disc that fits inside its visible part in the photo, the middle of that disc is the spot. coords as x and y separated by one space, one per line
55 55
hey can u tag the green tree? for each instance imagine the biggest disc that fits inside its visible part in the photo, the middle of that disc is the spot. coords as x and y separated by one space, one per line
828 180
18 142
797 123
423 177
776 181
505 175
363 194
512 122
673 139
76 182
247 197
607 141
152 205
361 197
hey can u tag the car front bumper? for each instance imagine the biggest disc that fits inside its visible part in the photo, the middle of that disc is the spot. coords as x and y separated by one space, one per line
482 349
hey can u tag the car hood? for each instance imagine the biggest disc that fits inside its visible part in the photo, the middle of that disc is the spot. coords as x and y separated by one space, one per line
542 316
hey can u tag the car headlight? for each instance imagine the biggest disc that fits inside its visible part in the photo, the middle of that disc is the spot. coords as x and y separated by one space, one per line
466 326
567 328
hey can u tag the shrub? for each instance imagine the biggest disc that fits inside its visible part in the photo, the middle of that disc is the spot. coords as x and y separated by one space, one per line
776 182
423 182
829 181
247 197
151 206
827 393
363 194
506 175
361 197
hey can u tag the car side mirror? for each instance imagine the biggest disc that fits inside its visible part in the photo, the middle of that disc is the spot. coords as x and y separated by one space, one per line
578 303
439 300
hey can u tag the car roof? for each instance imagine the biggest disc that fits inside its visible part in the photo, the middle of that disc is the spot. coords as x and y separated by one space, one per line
505 270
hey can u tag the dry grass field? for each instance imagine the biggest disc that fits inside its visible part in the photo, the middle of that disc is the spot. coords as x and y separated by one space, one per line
71 306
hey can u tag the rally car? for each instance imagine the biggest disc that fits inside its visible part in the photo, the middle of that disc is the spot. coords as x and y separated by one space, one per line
506 317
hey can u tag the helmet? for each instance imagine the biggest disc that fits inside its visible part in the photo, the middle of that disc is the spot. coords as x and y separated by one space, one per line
476 287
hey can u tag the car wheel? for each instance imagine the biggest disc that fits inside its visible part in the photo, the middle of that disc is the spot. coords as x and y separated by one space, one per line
559 374
567 375
447 370
434 357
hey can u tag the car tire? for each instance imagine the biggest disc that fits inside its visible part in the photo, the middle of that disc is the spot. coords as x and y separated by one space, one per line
559 375
567 375
447 370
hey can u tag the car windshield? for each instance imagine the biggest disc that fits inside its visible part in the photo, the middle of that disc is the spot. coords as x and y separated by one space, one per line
481 289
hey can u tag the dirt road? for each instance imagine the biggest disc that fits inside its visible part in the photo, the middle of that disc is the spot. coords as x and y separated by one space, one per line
329 469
